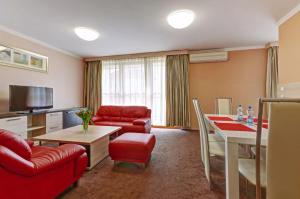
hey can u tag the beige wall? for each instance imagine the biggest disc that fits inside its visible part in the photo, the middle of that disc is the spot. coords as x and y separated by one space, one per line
65 74
242 78
289 50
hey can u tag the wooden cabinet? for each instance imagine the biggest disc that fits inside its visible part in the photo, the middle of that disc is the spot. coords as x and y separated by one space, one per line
54 122
30 125
16 125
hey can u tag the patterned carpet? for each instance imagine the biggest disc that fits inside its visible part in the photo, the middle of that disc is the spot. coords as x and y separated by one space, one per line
175 172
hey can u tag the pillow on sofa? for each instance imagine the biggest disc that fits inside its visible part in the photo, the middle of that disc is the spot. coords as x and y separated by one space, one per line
15 143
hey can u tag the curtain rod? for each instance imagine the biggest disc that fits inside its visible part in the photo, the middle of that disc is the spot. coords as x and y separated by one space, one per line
139 55
160 53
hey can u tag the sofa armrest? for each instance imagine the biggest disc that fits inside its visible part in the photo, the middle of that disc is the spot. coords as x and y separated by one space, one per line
15 163
96 119
141 121
56 157
51 159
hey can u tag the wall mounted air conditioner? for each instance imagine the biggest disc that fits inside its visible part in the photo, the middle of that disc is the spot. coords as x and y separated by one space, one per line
208 56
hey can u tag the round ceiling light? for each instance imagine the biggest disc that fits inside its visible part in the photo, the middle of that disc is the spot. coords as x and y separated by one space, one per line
86 34
180 19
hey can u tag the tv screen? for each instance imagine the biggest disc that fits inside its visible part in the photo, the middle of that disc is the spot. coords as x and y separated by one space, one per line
29 98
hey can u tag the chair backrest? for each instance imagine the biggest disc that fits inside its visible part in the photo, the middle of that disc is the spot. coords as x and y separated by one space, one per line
283 147
283 160
204 142
199 120
224 106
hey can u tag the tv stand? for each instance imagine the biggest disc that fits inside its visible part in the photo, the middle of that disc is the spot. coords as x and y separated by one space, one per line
22 112
31 124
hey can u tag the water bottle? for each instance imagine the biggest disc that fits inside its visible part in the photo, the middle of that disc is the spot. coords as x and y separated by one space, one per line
240 113
250 114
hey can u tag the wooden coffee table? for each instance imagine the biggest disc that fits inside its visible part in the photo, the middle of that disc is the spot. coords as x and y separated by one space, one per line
95 141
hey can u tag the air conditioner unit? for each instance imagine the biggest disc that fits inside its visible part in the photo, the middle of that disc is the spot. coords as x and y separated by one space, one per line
208 56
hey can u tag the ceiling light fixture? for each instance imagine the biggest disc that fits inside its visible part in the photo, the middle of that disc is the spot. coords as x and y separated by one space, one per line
86 34
180 19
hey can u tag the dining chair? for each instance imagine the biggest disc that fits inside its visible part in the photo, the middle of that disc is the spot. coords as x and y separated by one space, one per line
224 106
211 144
279 171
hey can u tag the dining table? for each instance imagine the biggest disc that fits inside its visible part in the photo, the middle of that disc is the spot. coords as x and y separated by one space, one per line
234 134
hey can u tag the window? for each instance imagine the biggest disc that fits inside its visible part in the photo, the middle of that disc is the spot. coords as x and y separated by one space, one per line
138 81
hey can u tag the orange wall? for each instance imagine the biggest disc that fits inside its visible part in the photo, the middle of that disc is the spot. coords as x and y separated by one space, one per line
65 74
242 78
289 50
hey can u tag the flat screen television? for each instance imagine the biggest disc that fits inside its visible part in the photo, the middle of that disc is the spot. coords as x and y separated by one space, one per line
30 98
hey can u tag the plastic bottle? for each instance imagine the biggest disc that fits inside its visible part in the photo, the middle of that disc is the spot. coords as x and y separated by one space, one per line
239 113
250 115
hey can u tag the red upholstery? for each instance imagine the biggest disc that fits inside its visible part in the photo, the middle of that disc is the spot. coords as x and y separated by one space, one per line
47 173
130 118
15 143
132 147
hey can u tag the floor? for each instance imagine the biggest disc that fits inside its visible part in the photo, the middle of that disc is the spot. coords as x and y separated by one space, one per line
175 172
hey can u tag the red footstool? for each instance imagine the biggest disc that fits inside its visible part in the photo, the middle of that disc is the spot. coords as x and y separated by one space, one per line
132 147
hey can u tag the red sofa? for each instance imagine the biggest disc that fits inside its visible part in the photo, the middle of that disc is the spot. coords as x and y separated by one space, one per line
35 172
130 118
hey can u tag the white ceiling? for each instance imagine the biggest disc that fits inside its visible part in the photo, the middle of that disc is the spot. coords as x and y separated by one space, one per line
134 26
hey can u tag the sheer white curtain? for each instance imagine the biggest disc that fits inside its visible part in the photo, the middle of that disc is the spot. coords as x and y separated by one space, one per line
139 81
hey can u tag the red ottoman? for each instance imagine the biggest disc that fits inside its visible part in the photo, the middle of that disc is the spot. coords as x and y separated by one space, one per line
132 147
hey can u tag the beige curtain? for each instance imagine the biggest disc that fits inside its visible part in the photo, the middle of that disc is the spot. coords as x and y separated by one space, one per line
272 72
92 85
177 91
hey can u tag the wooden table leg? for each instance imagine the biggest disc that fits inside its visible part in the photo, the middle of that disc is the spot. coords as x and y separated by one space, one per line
231 170
98 151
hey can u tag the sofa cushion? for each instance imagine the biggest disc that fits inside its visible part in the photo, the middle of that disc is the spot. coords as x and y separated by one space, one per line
45 158
109 111
112 123
15 143
128 119
126 126
109 118
133 112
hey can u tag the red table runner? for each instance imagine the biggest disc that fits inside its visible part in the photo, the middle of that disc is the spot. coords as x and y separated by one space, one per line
233 127
219 118
255 120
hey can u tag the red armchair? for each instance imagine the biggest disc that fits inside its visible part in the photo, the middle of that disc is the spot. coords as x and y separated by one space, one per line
130 118
28 171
